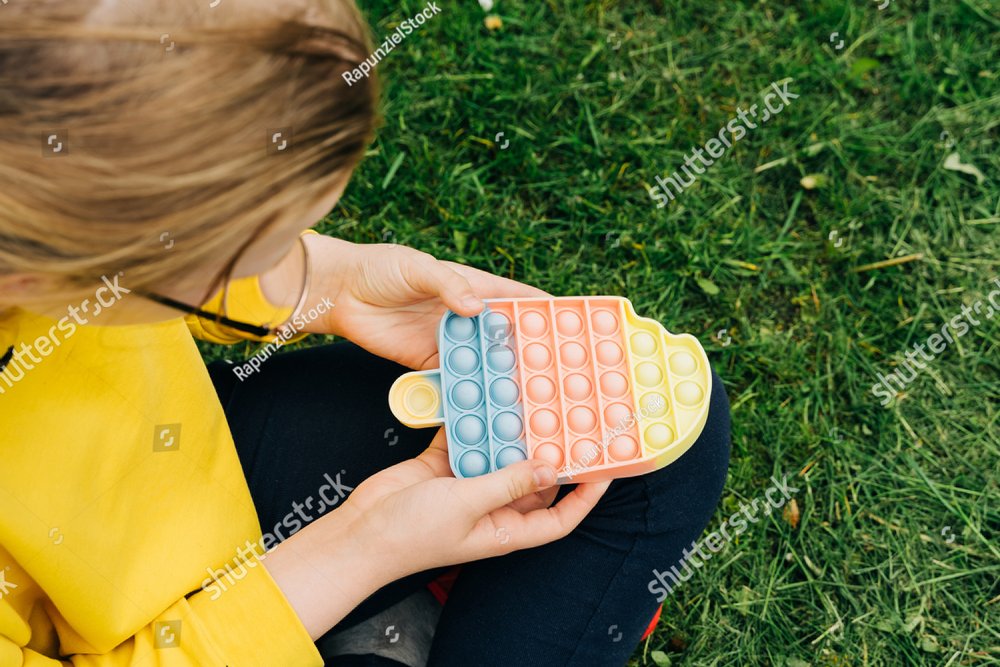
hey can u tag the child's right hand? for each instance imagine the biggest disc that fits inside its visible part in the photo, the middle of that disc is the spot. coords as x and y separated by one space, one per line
419 510
416 516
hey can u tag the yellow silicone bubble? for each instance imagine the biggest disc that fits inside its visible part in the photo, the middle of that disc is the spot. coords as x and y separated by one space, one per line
683 363
659 436
689 393
421 401
653 405
648 374
643 344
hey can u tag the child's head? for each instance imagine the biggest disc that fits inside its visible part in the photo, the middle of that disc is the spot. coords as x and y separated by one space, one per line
167 112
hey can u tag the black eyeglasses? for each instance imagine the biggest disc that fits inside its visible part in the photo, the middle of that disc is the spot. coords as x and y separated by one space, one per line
253 329
259 330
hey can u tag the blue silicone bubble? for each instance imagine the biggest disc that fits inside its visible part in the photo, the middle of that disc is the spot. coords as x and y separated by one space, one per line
508 456
467 394
500 358
496 327
504 392
473 463
463 360
460 328
470 429
507 426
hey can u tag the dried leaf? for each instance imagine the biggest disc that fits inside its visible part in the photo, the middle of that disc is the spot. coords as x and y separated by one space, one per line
813 181
954 163
791 513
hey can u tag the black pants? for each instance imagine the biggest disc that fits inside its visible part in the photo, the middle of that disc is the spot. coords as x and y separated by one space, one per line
318 415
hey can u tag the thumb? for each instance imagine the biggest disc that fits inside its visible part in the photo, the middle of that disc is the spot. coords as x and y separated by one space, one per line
437 278
493 491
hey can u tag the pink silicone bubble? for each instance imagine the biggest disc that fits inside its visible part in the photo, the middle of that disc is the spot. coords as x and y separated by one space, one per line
581 419
608 353
533 324
550 452
586 452
617 415
578 387
541 389
605 322
537 357
568 323
572 355
623 448
614 384
544 423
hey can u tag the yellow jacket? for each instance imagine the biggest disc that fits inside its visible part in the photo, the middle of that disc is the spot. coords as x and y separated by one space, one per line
120 490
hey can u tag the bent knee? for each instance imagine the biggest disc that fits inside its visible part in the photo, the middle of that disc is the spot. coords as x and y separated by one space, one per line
692 485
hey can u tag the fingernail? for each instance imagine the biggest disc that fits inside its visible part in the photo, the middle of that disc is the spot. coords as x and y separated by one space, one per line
472 303
545 476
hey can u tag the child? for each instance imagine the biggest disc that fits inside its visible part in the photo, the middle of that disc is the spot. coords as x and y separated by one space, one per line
160 164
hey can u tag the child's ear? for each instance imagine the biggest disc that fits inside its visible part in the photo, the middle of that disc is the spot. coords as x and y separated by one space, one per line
21 288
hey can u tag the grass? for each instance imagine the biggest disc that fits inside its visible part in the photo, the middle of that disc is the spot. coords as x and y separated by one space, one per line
895 558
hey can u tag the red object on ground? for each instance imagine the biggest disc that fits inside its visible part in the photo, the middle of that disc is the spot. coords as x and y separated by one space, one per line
652 624
441 586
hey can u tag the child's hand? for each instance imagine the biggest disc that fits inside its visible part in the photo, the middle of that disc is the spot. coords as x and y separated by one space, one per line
414 517
416 509
389 299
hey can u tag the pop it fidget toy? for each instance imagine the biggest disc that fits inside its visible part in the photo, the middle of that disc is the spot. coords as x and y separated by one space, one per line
581 382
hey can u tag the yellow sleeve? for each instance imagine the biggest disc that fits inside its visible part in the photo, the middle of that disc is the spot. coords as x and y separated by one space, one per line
250 624
244 302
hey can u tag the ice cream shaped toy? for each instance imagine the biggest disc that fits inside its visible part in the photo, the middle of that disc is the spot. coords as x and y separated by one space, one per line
581 382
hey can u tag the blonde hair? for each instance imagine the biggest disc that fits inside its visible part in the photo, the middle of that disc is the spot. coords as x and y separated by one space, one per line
169 122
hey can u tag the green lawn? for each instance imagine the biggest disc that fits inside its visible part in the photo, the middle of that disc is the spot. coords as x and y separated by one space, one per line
895 560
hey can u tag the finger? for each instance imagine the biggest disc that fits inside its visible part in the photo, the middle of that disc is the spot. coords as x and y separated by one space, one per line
542 526
429 276
489 492
534 501
490 286
432 362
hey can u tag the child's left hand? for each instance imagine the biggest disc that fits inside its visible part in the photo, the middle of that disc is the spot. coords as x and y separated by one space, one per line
389 299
